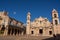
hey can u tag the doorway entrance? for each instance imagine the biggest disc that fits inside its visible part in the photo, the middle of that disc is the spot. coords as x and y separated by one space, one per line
50 32
32 32
40 31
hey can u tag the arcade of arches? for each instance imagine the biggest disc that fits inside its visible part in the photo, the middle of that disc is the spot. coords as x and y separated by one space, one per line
12 30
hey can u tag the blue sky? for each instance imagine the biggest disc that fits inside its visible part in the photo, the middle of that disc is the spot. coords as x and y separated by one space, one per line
36 7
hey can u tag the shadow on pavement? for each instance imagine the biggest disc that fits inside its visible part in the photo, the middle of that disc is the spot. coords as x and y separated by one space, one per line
57 37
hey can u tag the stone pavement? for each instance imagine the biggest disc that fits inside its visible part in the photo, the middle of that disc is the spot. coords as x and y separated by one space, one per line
22 37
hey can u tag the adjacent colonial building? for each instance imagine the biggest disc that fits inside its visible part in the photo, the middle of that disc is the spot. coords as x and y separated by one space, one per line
10 26
42 26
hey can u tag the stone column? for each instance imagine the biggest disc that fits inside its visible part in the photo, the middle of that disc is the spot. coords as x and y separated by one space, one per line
22 33
44 31
5 31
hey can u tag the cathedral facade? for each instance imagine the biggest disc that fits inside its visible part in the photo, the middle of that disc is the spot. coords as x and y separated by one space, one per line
42 26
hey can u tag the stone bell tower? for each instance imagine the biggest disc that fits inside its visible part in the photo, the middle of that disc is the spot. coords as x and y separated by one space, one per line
28 23
55 17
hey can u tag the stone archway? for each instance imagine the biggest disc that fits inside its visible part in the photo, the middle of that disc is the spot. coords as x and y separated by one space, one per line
9 30
12 31
18 31
2 29
15 31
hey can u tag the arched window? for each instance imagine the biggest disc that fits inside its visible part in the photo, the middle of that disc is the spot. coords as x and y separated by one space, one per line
55 15
56 22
